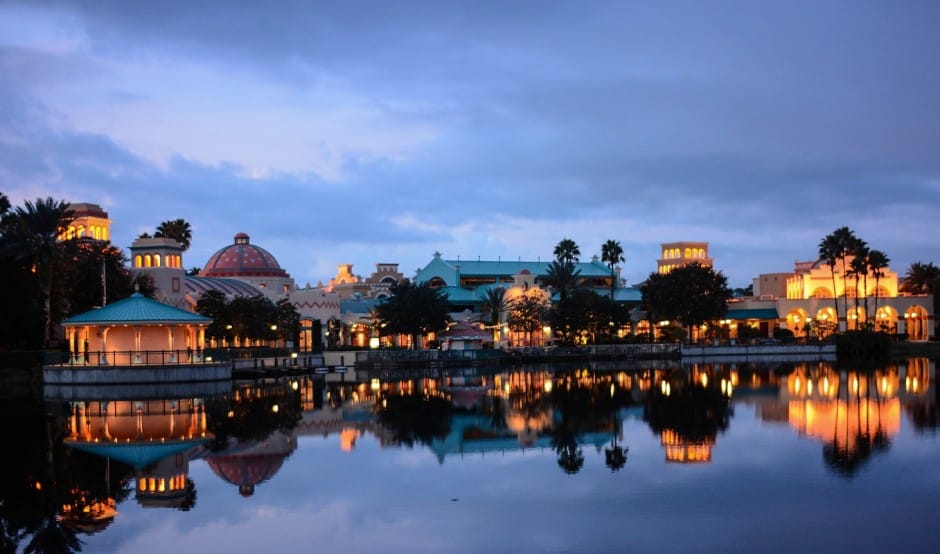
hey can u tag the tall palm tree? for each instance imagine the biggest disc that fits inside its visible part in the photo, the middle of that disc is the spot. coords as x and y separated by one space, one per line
31 236
848 243
877 262
829 251
860 269
178 229
567 251
494 304
612 253
562 276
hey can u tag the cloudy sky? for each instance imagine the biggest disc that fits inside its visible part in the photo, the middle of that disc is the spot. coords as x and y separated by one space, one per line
370 132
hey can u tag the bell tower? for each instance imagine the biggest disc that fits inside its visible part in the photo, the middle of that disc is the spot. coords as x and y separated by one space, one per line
162 259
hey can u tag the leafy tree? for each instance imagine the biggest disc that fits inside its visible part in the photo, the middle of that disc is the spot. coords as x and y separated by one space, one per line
691 294
561 276
4 204
587 313
287 319
527 312
31 238
612 253
177 229
567 251
214 304
413 310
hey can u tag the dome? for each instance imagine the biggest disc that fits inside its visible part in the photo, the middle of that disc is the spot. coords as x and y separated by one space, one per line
242 259
254 465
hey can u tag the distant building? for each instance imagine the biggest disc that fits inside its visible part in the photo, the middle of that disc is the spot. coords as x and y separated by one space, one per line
678 254
90 221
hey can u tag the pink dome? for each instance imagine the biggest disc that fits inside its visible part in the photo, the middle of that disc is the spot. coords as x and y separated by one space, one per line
242 259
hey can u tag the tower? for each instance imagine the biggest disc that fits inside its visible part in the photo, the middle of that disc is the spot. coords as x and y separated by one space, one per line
162 259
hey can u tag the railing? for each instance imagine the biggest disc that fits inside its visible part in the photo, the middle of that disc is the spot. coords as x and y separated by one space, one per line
124 358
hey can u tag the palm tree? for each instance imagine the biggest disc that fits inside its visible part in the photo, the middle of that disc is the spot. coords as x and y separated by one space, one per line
612 253
921 278
848 244
859 268
567 251
877 262
493 304
829 250
178 229
562 276
4 204
31 236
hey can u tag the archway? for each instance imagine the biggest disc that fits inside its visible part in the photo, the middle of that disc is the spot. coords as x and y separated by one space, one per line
915 322
826 322
821 292
798 322
886 320
856 319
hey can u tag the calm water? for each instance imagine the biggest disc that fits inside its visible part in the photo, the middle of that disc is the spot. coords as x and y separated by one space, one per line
712 457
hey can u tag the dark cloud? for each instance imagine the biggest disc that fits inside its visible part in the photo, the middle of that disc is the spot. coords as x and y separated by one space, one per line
759 127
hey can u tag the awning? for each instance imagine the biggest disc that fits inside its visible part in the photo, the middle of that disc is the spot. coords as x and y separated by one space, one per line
756 313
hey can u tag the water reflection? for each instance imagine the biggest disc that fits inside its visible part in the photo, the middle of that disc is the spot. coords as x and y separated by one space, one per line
80 459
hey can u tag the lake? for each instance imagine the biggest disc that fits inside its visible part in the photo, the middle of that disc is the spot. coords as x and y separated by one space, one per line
739 457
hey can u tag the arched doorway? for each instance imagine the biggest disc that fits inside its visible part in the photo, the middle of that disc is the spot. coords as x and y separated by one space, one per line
855 319
826 322
798 322
915 322
886 320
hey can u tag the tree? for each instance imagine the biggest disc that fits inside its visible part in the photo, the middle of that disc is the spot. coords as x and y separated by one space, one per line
612 253
177 229
567 251
877 262
921 278
829 251
4 204
561 276
692 294
413 310
31 237
859 269
494 304
526 313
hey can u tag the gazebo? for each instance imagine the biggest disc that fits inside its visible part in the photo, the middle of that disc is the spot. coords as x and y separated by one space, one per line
465 336
136 330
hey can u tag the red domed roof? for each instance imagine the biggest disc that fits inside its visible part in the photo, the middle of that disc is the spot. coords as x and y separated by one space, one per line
242 259
246 471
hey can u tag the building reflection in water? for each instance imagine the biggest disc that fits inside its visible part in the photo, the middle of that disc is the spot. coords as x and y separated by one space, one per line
246 435
688 408
155 437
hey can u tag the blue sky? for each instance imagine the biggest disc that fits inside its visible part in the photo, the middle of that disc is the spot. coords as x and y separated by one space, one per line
366 132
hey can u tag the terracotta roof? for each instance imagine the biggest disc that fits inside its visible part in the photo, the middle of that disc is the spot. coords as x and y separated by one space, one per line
242 259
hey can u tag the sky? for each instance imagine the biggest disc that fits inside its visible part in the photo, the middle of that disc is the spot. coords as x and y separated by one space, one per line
382 132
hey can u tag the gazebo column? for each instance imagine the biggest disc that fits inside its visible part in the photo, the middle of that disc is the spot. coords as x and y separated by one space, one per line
137 334
202 338
104 346
169 332
73 351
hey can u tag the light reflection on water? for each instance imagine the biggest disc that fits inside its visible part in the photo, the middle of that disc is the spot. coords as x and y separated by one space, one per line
538 459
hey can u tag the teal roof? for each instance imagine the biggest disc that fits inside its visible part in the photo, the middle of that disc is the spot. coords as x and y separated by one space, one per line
137 454
136 309
449 270
755 313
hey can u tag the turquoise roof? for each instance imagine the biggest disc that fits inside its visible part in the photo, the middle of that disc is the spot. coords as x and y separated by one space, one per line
448 270
754 313
137 454
136 309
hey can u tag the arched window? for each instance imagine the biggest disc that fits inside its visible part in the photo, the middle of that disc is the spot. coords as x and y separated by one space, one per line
436 282
821 292
156 260
148 261
137 260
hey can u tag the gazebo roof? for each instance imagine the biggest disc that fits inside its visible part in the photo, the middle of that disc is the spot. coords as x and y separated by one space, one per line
136 309
466 331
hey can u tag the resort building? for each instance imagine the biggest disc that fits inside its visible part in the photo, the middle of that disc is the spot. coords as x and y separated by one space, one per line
89 221
817 300
678 254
